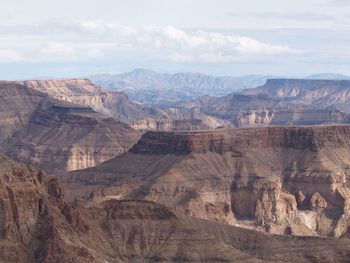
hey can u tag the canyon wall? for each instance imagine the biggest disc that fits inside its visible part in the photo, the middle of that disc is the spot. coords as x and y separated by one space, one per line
275 179
57 136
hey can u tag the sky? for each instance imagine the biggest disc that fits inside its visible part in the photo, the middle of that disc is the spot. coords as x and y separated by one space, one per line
77 38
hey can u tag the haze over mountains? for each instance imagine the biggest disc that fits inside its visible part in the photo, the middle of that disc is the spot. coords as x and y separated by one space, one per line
153 88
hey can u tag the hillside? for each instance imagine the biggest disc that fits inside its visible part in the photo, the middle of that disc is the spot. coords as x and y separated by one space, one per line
37 225
278 179
281 102
118 106
57 136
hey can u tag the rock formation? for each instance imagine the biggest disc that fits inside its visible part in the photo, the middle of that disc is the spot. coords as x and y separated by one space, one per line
118 106
57 136
281 102
278 179
37 225
83 92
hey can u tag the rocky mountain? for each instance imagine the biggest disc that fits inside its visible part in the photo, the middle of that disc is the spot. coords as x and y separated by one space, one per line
38 225
315 93
55 135
118 106
152 88
164 89
278 179
280 102
83 92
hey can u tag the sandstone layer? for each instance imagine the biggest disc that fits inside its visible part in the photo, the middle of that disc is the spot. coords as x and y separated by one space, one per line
37 225
57 136
118 106
281 102
279 179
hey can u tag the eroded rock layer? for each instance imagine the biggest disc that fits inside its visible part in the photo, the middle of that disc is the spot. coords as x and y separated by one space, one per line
279 179
57 136
118 106
37 225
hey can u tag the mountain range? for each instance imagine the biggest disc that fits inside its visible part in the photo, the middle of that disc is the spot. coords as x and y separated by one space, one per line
162 89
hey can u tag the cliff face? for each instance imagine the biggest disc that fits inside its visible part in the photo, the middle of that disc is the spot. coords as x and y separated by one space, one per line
57 136
206 123
37 225
299 87
234 140
318 93
83 92
118 106
17 105
277 179
281 102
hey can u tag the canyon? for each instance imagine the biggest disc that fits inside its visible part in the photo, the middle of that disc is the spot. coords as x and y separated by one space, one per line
274 179
176 183
57 136
38 225
277 102
280 102
118 106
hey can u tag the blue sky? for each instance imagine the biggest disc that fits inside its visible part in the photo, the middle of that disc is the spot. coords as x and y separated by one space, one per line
72 38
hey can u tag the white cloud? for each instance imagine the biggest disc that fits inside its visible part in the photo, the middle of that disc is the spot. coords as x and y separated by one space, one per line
10 55
57 49
251 46
84 39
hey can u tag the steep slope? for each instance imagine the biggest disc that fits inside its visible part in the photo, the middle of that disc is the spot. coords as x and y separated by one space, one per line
278 179
37 225
318 93
280 102
118 106
83 92
57 136
17 106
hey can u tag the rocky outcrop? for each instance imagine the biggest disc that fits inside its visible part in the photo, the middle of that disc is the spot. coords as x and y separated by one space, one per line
83 92
206 123
278 179
17 106
57 136
316 93
118 106
281 102
37 225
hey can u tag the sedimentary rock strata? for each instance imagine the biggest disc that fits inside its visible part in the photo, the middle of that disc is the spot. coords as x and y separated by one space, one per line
57 136
278 179
37 225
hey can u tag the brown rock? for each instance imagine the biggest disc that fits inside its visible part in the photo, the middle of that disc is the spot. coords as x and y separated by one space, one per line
268 177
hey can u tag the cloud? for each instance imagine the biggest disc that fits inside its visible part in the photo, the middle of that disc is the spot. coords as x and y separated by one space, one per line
56 49
298 16
253 47
92 39
10 55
